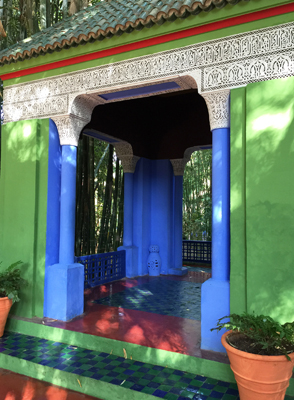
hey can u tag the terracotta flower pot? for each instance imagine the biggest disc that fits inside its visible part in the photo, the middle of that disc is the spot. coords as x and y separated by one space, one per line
5 306
259 377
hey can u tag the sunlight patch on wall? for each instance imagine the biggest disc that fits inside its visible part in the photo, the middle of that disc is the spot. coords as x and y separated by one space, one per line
236 199
273 121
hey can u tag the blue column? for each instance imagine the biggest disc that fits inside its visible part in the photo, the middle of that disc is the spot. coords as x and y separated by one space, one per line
68 204
141 212
128 209
215 293
131 250
177 267
162 219
65 280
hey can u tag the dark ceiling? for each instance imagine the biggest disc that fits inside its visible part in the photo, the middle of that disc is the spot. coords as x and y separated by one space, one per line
158 127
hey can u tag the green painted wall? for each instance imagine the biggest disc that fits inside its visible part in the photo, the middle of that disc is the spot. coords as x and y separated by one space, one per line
262 199
270 198
169 27
238 212
23 207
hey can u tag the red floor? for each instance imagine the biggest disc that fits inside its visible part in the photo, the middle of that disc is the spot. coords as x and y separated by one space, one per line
148 329
19 387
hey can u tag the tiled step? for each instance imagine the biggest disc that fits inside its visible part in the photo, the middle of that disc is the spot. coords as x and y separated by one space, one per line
106 375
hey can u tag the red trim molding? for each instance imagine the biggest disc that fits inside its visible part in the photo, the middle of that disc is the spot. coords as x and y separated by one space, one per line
255 16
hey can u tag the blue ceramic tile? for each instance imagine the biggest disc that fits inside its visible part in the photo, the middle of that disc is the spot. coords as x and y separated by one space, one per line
129 372
78 371
113 374
137 387
116 381
82 362
182 373
161 297
207 386
97 376
158 368
154 385
200 378
234 392
159 393
216 395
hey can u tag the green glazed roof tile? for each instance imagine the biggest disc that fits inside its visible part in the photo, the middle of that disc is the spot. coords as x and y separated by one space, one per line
107 18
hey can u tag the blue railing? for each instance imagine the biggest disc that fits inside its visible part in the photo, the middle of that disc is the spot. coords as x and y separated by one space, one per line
103 268
196 251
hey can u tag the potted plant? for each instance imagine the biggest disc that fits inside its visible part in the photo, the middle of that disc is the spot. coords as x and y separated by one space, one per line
261 354
10 284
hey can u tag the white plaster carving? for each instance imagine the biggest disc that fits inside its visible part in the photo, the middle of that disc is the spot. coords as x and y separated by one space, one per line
214 65
218 104
124 152
179 164
82 105
69 128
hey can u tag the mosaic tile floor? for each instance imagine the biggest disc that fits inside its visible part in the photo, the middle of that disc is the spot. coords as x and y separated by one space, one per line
200 269
165 383
160 296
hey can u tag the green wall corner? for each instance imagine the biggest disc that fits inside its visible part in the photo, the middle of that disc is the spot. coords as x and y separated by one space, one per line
270 198
238 213
262 199
23 196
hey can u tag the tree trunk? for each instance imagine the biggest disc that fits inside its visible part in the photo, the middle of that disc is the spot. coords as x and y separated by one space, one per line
43 14
91 197
120 219
113 222
106 205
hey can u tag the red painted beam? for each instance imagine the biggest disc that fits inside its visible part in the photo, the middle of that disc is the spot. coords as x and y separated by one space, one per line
254 16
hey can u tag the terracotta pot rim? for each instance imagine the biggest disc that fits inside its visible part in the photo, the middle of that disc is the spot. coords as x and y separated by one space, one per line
228 347
4 298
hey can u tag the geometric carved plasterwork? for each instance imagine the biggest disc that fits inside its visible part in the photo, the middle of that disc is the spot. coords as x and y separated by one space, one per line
124 152
179 164
218 104
215 65
69 128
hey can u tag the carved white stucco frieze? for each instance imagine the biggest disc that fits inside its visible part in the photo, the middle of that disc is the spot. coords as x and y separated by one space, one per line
218 104
124 152
215 65
69 128
179 164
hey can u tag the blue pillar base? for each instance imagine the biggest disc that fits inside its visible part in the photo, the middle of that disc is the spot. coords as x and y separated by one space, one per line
65 291
178 271
131 260
215 304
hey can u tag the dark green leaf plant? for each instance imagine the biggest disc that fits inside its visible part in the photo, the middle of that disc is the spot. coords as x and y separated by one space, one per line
11 282
266 335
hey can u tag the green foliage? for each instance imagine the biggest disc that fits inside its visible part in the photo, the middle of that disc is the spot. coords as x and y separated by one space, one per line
11 282
100 195
197 197
263 331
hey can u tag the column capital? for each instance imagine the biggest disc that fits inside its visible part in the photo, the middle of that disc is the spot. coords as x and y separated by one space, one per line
69 128
124 152
218 104
179 164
